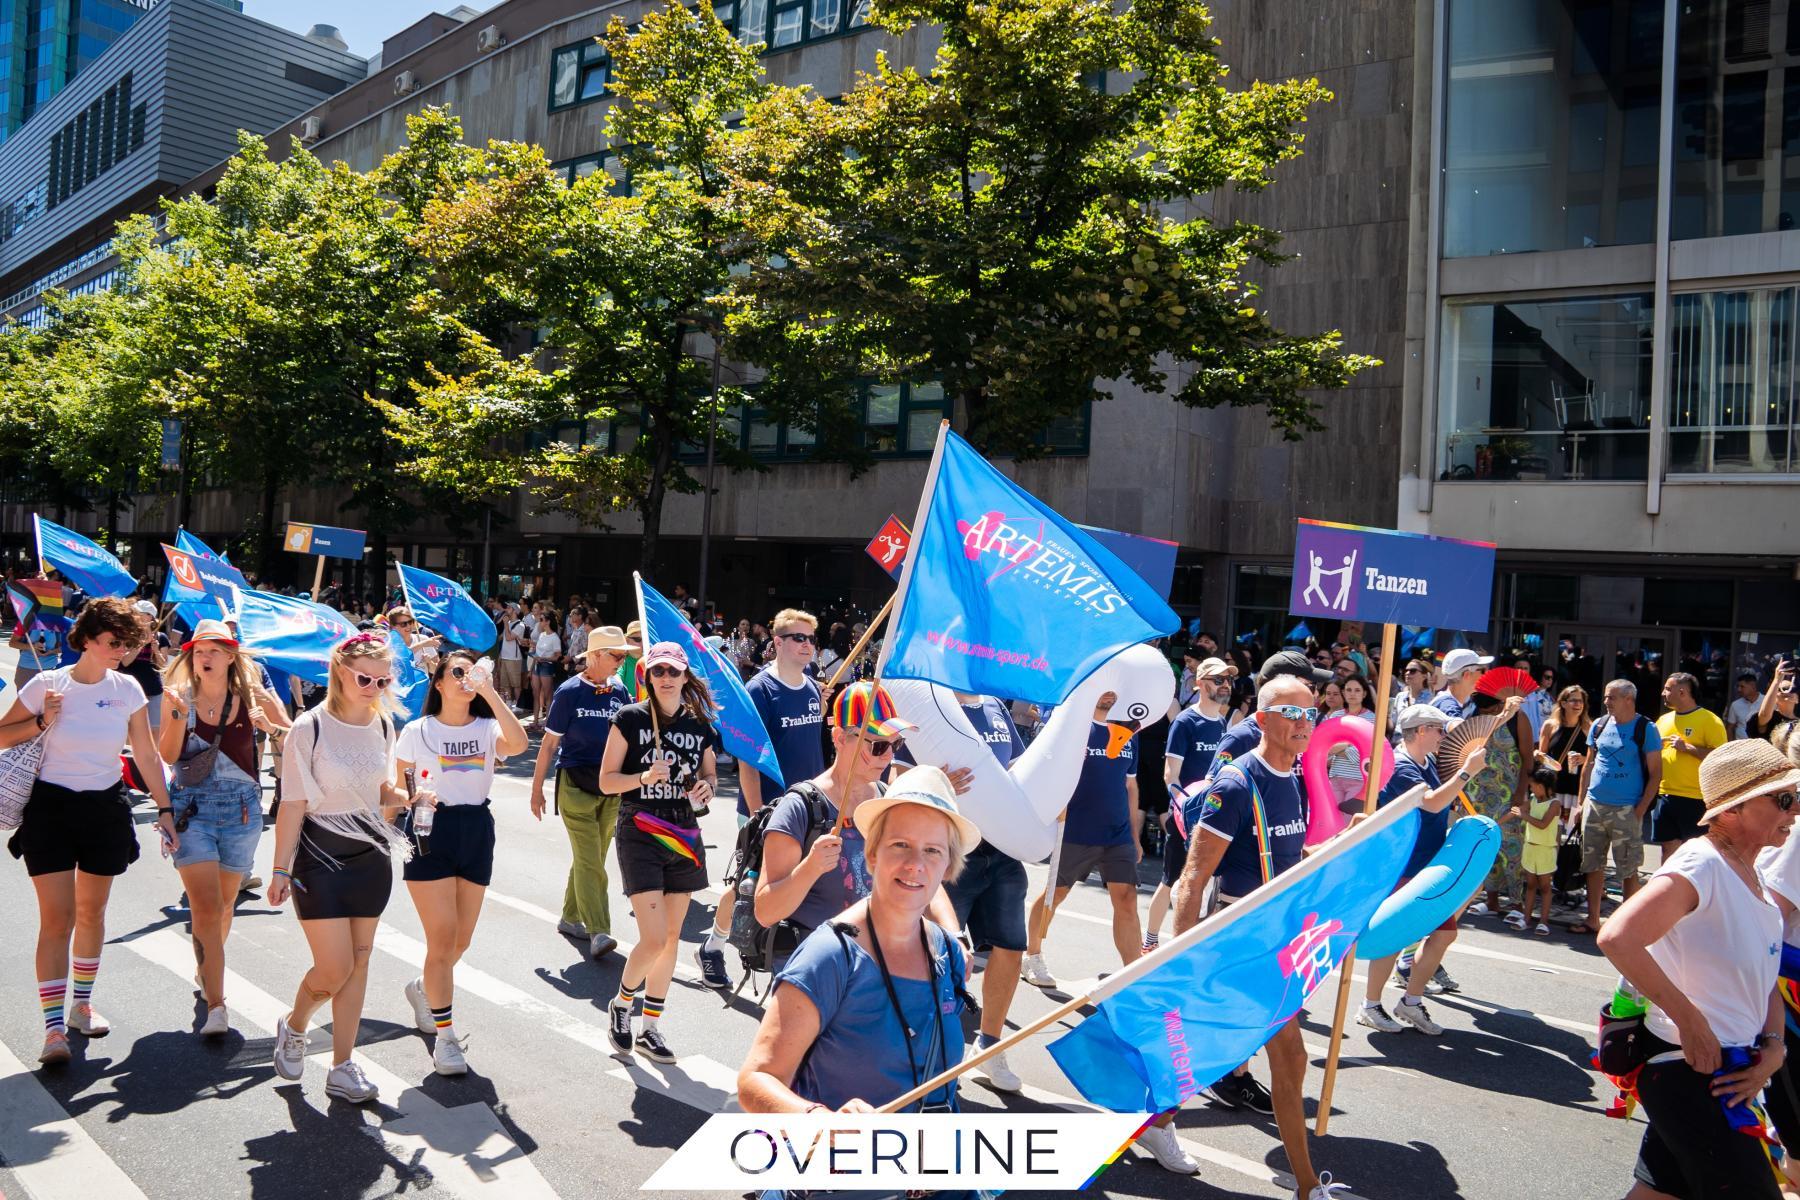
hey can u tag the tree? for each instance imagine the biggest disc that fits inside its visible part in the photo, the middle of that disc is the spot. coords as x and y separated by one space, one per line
619 285
1016 223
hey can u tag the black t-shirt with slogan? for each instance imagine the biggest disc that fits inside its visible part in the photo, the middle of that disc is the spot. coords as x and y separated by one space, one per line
684 742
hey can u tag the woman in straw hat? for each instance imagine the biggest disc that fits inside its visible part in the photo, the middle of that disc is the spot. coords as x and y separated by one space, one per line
1702 941
868 1006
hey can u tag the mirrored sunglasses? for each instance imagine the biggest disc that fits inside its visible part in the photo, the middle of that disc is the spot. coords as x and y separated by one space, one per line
1293 712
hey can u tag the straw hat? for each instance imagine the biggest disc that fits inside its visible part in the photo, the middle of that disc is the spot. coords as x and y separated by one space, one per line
1742 770
928 787
609 637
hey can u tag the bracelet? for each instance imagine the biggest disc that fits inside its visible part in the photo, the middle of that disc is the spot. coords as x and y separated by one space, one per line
39 718
815 1107
282 871
161 811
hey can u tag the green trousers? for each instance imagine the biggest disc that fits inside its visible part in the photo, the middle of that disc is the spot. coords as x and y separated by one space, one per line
590 821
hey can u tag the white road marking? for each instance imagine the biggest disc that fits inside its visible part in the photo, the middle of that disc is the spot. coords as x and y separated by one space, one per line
1457 947
696 1081
48 1151
465 1148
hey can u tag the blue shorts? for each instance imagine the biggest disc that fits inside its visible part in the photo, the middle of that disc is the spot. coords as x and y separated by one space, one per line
544 670
224 821
989 897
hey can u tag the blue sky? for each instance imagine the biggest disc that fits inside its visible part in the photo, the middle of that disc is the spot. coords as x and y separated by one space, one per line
364 23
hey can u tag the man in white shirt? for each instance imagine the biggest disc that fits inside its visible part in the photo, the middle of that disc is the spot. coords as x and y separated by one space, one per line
1749 699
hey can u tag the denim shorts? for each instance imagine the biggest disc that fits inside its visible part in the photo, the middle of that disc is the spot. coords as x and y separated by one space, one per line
225 823
989 897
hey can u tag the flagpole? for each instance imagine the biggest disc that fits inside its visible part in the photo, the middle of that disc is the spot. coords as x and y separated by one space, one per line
637 584
1062 830
862 643
1142 966
1347 971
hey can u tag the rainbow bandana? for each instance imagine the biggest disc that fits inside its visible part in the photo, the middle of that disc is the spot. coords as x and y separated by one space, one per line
676 839
868 707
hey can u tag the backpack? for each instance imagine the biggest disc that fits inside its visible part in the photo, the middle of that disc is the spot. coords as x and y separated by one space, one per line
1639 727
761 947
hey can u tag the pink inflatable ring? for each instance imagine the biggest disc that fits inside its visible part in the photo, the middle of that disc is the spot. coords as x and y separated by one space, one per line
1323 820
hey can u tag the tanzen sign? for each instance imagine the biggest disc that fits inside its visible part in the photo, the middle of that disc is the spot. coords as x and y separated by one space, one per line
1356 573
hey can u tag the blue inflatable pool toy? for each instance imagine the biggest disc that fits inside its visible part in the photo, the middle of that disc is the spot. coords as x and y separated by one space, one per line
1440 889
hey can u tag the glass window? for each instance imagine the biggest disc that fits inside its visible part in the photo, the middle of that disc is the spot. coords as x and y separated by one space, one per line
753 23
788 24
565 69
1546 389
825 17
1550 124
1731 382
593 79
764 435
859 13
881 425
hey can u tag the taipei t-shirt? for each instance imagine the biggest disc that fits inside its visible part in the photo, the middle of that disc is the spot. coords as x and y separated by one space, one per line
455 761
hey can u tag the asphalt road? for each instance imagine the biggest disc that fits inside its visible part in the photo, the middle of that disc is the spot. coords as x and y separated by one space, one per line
1503 1107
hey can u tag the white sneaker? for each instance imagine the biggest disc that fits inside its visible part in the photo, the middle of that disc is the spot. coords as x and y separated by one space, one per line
415 996
1327 1189
1160 1141
347 1082
447 1055
1033 971
84 1020
1416 1016
1376 1017
290 1051
1000 1076
218 1022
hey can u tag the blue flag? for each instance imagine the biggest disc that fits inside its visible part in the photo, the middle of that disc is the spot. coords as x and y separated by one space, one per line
1003 597
1177 1020
291 635
411 683
444 606
90 567
190 605
740 727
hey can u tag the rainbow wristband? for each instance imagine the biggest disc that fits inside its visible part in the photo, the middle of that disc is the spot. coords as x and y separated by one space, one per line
283 871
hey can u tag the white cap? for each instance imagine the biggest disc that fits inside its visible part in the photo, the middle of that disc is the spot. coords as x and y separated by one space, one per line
145 607
1458 661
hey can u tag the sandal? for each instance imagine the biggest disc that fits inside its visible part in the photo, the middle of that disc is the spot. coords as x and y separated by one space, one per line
1582 927
1515 920
1542 930
1480 909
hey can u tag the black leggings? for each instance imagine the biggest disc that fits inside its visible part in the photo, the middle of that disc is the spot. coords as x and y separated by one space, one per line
1783 1104
1690 1150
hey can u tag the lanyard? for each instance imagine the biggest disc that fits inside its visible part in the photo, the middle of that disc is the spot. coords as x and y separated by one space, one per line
937 1020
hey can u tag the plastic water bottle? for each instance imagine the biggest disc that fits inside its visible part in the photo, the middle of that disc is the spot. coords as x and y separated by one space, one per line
747 885
479 674
422 815
1627 1001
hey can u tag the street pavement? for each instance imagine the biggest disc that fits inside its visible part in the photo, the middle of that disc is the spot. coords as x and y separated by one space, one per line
1503 1106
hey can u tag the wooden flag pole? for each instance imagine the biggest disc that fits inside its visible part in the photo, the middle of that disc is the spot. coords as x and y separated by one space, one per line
862 643
1347 972
637 583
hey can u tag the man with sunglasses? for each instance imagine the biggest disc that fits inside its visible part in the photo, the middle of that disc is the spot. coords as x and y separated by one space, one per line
788 701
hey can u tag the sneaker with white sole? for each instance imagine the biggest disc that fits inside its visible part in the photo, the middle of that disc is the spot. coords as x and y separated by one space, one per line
712 968
1033 971
218 1022
998 1074
85 1021
415 996
290 1051
1416 1016
1160 1141
1440 982
1376 1017
447 1054
650 1044
1327 1189
618 1027
56 1049
346 1081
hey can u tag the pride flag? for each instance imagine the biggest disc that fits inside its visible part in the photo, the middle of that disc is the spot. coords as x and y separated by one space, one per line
92 568
683 843
1001 596
38 604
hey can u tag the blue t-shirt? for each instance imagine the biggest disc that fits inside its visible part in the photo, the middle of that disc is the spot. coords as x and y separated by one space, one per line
793 717
1194 737
1229 811
1458 710
1434 827
992 724
582 715
1238 741
1618 775
1100 809
860 1051
837 889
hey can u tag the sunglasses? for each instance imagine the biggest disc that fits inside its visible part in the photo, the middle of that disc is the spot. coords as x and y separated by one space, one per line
803 638
662 672
884 746
1293 712
1412 671
1783 800
378 682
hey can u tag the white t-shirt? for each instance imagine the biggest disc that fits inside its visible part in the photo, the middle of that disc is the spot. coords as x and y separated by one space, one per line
335 766
547 646
455 761
1725 955
509 649
1779 867
81 750
1739 714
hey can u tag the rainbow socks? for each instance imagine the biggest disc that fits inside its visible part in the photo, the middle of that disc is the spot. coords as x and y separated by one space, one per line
50 997
653 1007
441 1017
81 981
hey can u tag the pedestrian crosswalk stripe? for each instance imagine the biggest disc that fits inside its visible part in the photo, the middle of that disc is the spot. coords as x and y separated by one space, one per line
48 1151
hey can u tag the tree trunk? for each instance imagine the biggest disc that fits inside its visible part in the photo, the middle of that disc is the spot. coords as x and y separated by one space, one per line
377 558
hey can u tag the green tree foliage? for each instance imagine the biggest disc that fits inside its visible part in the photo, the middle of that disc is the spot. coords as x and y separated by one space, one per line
1016 221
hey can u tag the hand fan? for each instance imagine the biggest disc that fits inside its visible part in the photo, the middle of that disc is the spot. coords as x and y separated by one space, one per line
1473 732
1499 679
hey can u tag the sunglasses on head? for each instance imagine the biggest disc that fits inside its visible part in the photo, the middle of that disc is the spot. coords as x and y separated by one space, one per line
378 682
1293 712
661 672
806 638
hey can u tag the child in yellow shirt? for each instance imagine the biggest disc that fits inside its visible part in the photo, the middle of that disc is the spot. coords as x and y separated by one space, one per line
1538 860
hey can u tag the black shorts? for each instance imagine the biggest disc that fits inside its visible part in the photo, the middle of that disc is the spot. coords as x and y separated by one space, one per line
66 830
459 846
646 865
1175 851
1689 1149
1676 818
337 876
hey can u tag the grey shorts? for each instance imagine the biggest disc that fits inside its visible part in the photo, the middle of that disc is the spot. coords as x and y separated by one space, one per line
1118 864
1615 827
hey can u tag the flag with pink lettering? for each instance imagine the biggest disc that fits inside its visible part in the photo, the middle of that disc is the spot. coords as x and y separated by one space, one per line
1002 596
1177 1020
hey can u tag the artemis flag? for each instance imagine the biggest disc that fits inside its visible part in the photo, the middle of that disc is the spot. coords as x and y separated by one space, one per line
289 634
1002 597
443 605
1177 1020
93 569
411 683
740 728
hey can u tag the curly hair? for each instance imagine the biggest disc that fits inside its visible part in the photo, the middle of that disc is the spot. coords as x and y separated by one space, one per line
107 614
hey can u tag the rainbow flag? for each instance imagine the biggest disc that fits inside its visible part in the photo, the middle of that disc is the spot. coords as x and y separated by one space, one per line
451 763
38 604
679 841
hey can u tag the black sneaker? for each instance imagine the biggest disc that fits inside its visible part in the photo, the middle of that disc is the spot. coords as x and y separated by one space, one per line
650 1044
712 968
619 1026
1243 1091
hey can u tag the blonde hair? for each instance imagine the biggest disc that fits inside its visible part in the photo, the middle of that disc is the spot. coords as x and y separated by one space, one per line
361 646
1573 692
789 615
871 833
241 676
1783 739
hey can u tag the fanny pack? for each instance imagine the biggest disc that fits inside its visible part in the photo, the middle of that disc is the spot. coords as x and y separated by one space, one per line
586 779
194 769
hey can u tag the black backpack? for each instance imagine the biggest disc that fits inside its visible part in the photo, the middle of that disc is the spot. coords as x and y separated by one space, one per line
760 947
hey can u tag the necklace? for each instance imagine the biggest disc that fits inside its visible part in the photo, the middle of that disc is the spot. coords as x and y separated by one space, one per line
1749 876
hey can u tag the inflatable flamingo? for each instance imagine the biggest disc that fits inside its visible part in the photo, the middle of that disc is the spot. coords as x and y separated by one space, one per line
1323 818
1017 809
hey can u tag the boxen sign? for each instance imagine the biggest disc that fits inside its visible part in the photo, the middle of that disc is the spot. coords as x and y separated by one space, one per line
327 541
1356 573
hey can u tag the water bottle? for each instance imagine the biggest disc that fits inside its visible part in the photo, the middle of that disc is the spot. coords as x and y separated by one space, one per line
1627 1001
747 885
478 675
422 815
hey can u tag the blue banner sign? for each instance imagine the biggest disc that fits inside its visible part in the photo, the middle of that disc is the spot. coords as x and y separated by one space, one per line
1356 573
326 540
